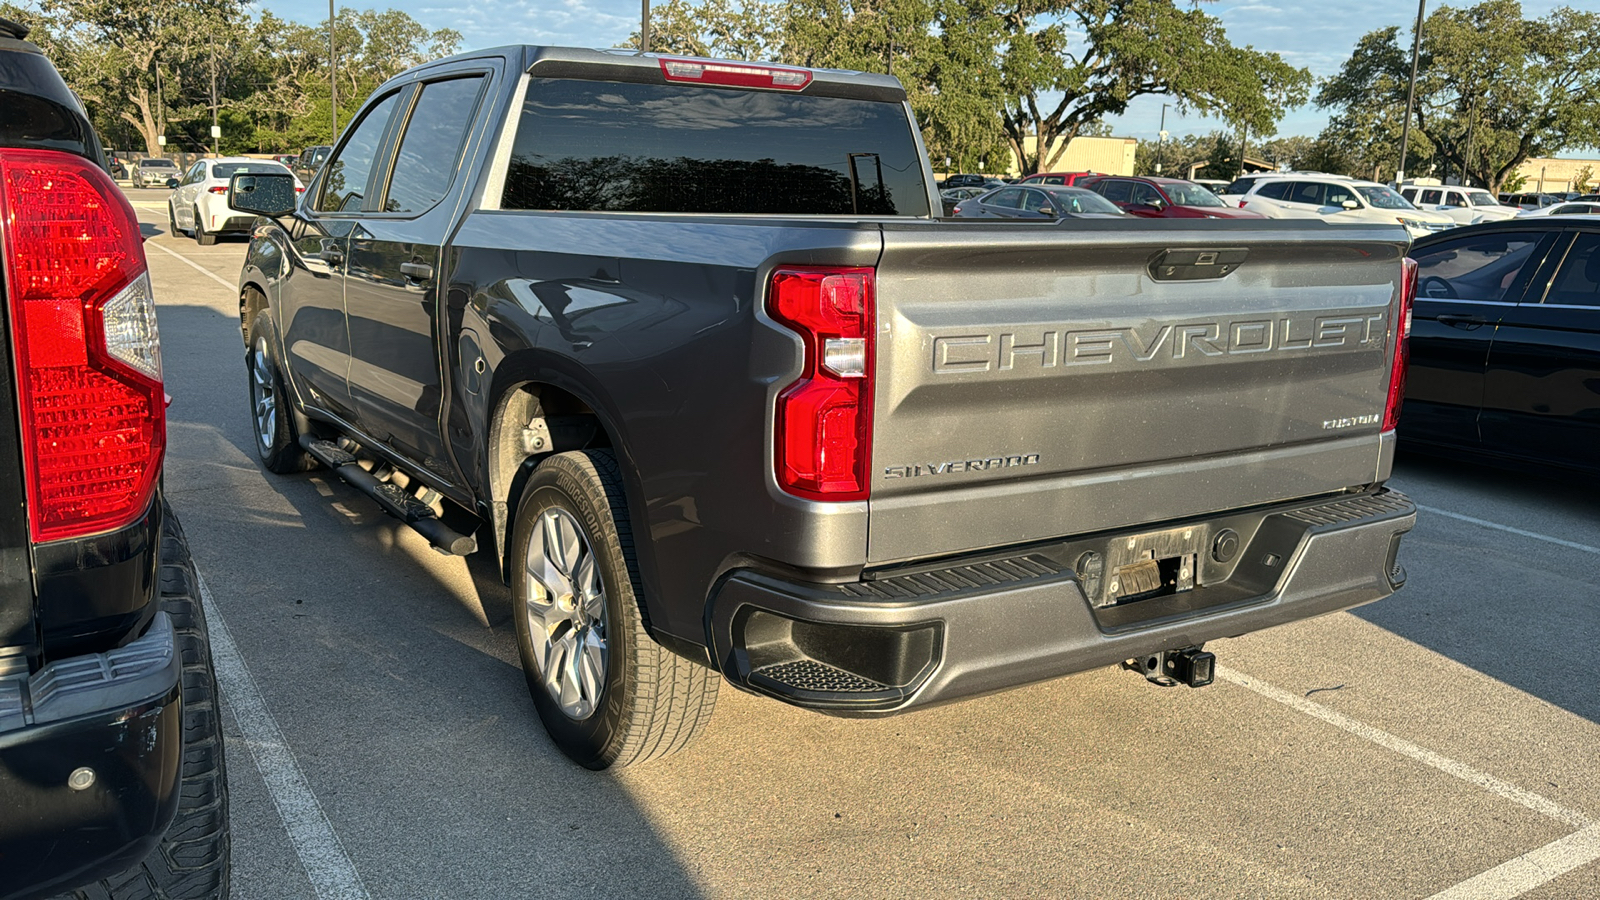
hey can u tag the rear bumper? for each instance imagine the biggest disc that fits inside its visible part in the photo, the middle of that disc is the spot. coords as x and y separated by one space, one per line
912 638
117 714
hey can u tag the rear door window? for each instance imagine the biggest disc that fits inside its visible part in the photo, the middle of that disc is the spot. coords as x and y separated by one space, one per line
1115 191
430 151
1010 198
1274 190
1577 283
624 147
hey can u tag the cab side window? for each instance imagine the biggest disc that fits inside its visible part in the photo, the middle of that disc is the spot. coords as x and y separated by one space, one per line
1337 194
1433 197
344 187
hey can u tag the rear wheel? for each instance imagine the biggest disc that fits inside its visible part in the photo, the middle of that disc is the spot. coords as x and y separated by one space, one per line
608 694
201 236
271 415
194 856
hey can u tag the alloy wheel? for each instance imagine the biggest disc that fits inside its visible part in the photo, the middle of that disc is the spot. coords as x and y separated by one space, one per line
566 613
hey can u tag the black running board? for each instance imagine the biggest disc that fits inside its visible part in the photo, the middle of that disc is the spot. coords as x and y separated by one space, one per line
395 500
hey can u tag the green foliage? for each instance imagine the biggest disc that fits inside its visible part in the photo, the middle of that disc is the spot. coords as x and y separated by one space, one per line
1583 180
148 68
1493 89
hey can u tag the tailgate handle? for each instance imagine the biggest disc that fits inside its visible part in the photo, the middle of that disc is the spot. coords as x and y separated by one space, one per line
1466 322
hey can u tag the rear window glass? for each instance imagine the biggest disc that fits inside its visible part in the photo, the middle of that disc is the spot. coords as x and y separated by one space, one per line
618 147
157 164
228 170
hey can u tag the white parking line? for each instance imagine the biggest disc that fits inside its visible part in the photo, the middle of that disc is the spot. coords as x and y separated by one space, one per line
1445 764
1510 879
1485 523
327 866
1537 867
196 266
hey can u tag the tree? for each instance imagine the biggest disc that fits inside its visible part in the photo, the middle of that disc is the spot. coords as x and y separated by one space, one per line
1493 89
1100 54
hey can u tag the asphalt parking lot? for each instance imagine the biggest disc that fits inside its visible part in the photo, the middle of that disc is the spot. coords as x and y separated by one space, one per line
1442 743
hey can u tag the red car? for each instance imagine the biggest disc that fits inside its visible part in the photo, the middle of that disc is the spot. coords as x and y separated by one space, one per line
1068 179
1164 198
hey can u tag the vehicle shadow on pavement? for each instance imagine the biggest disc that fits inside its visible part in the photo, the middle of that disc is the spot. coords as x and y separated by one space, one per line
358 635
1538 636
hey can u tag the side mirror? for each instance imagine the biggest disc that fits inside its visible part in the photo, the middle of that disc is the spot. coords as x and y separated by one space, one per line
265 195
1047 211
172 182
1350 204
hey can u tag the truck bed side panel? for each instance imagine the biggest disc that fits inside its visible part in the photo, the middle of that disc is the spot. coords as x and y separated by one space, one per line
652 321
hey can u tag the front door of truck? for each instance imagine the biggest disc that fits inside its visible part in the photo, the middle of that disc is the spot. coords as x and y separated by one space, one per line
316 341
396 271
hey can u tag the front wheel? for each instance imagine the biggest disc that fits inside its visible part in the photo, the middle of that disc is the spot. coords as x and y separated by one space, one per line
277 443
607 693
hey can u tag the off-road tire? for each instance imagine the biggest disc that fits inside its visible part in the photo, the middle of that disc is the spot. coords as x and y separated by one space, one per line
192 861
201 236
282 455
654 701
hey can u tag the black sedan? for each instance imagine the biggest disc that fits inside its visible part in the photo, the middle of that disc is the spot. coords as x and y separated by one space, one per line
1037 201
1505 343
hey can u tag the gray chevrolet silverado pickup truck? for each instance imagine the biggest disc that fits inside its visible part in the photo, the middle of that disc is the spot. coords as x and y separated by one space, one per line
685 346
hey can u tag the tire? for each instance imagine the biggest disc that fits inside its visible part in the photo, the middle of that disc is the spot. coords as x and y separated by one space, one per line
201 236
650 702
271 414
193 859
172 220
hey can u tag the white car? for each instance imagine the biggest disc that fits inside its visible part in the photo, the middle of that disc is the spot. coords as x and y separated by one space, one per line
1562 209
199 204
1337 199
1467 206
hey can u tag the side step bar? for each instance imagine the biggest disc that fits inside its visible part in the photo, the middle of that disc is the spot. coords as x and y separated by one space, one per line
395 501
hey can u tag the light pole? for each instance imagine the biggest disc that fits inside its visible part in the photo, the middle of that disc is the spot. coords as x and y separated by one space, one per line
333 78
644 26
1411 93
1161 144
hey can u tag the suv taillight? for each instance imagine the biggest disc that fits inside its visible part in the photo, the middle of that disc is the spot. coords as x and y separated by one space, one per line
823 439
1397 371
88 356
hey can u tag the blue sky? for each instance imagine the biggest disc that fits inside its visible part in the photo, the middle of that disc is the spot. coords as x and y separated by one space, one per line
1316 34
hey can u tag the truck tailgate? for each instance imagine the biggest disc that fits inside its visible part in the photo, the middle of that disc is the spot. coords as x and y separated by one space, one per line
1034 382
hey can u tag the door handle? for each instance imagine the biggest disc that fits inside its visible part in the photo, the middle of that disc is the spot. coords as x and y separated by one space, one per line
416 271
1464 322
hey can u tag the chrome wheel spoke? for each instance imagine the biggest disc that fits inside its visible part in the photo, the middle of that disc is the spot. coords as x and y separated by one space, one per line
565 613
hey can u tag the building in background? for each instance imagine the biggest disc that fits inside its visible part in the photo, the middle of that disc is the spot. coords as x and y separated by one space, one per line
1551 175
1106 155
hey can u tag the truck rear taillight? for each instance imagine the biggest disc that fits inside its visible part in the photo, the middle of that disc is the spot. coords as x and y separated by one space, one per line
701 71
88 356
824 419
1402 319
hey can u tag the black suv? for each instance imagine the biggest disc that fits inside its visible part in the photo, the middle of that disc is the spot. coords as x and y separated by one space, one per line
111 761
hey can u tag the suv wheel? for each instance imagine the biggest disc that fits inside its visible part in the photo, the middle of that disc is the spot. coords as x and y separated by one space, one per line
194 856
608 694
